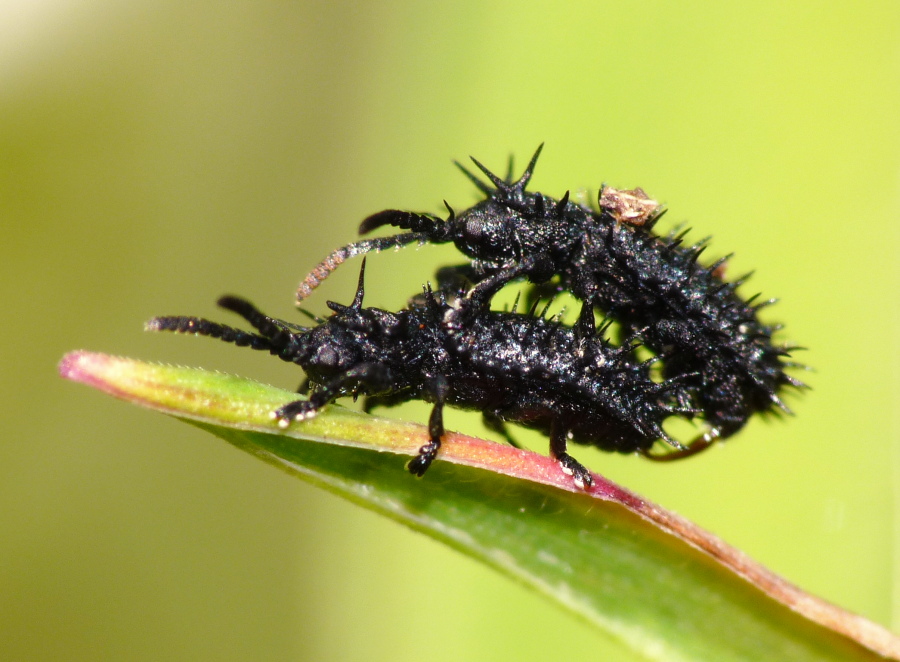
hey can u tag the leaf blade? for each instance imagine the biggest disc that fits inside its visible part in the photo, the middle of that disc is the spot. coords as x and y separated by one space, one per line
644 575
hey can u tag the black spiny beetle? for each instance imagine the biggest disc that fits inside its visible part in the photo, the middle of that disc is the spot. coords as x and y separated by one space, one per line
610 258
568 382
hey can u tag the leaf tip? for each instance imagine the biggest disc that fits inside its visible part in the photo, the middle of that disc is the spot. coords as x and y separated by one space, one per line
103 372
81 366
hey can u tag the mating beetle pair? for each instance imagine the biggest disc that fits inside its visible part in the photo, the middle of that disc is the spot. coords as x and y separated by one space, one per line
718 359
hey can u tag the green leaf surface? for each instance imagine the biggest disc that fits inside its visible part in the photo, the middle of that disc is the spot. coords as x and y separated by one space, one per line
642 574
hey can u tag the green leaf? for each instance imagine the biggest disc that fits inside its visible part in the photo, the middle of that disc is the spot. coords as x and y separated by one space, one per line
644 575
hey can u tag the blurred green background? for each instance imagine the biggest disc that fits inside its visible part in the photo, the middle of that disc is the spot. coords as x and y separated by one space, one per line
154 156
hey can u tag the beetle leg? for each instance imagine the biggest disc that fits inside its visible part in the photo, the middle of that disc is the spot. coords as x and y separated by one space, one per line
498 425
420 463
570 466
371 374
481 294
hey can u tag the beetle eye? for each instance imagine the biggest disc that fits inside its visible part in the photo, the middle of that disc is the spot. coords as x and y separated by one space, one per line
326 356
474 228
